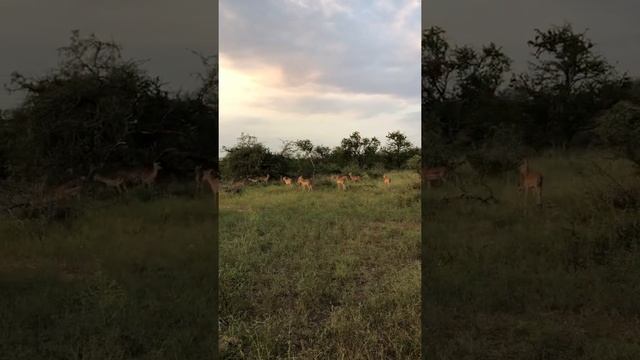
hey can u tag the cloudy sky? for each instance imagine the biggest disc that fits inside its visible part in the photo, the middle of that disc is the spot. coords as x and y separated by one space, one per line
162 31
612 24
319 69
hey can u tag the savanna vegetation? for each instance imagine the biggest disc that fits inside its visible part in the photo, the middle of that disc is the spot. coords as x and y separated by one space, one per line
325 272
89 269
504 278
356 154
321 274
108 238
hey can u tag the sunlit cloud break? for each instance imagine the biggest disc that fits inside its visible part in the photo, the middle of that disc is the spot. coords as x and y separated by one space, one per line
293 69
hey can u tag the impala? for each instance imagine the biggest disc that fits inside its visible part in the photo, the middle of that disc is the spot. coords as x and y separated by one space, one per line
144 176
66 190
117 182
264 179
214 182
434 174
340 181
354 177
149 176
530 181
305 183
287 181
386 180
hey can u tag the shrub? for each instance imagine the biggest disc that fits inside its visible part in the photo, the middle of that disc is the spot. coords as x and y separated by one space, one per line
502 152
376 171
620 128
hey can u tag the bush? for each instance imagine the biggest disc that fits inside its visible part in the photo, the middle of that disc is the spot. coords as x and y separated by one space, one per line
414 163
352 168
502 152
620 128
376 171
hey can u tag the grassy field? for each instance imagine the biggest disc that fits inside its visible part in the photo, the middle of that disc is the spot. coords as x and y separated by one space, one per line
322 274
560 282
126 278
336 275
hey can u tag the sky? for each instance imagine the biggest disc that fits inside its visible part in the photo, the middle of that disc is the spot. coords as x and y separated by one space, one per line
162 31
612 25
319 70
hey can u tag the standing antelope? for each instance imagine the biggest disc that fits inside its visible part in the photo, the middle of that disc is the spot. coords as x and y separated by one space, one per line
340 181
214 182
66 190
305 183
386 180
530 180
141 176
117 182
287 181
148 176
354 178
434 174
264 179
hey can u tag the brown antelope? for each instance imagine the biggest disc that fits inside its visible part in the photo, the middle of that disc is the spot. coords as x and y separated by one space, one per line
434 174
149 175
214 182
264 179
287 181
144 176
305 183
117 182
530 180
354 178
340 181
69 189
386 180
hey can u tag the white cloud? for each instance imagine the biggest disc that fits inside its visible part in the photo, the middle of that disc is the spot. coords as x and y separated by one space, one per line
319 69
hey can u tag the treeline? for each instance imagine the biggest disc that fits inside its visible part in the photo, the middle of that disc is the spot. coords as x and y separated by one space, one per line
98 111
356 154
475 107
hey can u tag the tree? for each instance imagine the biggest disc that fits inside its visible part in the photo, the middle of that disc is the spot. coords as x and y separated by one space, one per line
99 110
75 117
437 67
460 86
619 127
305 148
567 84
480 73
359 149
247 158
398 148
208 91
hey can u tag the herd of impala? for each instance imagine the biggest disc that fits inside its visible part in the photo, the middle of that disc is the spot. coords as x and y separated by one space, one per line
528 181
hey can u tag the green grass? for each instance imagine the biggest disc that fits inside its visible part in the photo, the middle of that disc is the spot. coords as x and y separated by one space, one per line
560 282
126 279
323 274
336 275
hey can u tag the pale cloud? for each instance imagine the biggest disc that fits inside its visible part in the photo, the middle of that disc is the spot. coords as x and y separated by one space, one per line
293 69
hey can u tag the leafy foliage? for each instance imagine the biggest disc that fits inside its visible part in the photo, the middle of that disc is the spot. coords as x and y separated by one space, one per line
555 103
620 128
250 158
97 109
